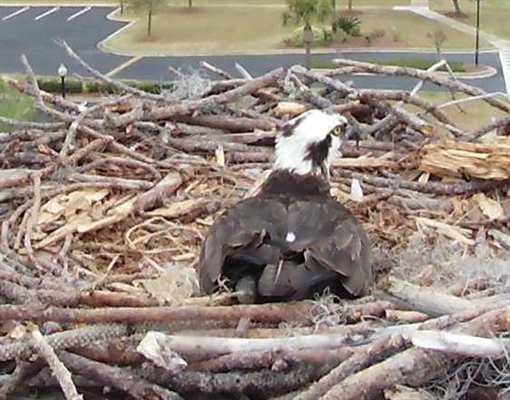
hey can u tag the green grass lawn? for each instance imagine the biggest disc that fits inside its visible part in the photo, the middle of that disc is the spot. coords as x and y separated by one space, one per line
224 29
14 105
494 14
477 113
456 66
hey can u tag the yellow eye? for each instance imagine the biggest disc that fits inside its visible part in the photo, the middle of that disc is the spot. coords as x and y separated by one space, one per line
337 131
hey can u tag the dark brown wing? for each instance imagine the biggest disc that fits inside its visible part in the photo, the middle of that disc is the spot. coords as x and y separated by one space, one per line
332 244
241 229
333 238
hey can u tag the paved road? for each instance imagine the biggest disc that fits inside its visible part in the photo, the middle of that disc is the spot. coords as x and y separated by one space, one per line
33 32
36 38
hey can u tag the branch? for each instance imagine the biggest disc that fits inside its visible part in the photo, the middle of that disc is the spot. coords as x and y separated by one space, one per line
58 368
358 66
104 78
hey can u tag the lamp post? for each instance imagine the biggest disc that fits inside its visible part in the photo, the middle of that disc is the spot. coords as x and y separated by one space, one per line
62 71
477 44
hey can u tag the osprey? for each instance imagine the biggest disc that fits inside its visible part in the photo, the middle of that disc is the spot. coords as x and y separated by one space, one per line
292 239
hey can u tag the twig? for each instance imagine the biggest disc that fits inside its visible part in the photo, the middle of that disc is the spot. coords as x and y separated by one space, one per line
216 70
356 66
117 377
104 78
267 313
58 368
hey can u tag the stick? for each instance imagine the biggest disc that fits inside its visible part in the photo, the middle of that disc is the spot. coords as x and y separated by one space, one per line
58 368
427 300
461 344
117 377
266 313
104 78
216 70
209 347
438 79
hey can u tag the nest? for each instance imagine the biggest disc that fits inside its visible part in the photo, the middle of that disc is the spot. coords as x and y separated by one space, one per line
104 209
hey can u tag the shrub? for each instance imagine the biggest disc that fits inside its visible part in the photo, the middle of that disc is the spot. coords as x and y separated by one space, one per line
99 87
54 85
151 87
350 25
373 35
320 36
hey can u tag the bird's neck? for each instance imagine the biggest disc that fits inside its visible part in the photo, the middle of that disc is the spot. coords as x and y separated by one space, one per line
286 182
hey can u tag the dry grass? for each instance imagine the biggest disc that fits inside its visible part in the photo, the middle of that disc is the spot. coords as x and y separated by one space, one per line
413 29
230 29
494 14
450 261
203 31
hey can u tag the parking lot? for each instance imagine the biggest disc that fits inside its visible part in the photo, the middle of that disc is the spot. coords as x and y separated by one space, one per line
33 31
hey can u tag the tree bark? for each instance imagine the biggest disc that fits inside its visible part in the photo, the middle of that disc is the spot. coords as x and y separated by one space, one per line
149 19
456 4
308 38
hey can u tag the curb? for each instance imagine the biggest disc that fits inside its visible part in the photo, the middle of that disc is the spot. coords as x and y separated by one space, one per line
110 16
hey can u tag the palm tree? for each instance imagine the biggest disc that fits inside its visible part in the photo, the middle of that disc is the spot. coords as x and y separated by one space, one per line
305 12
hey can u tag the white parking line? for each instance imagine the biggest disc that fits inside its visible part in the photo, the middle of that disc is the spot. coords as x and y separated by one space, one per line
15 13
47 13
76 15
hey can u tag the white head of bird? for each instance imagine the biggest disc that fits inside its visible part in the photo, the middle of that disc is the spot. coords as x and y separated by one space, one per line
308 143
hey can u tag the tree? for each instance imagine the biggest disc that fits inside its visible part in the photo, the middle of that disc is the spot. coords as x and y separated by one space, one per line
305 12
121 7
190 3
456 4
145 6
350 5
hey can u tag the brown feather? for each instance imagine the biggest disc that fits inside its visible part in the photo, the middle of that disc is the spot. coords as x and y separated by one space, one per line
330 249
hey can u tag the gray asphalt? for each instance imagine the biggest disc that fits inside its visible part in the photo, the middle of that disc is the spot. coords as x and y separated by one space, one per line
36 39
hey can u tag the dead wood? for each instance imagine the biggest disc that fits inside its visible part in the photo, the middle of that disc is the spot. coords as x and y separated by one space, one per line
255 360
357 66
261 384
230 124
103 210
299 311
116 377
59 370
427 300
411 367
